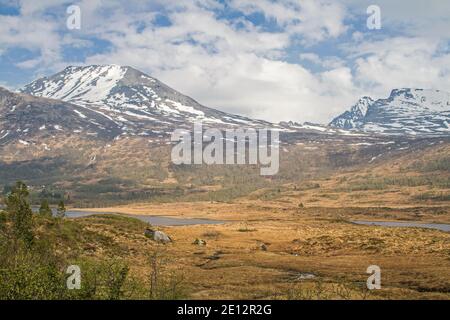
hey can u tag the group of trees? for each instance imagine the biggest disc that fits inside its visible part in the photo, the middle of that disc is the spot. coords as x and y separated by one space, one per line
46 211
21 215
29 269
33 263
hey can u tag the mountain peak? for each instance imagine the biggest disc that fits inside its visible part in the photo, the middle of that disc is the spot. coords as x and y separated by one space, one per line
138 103
357 112
88 84
362 106
99 67
406 111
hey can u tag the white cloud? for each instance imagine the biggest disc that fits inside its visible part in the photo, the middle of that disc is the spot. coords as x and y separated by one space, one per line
234 69
429 18
33 33
329 62
401 62
312 57
313 20
241 67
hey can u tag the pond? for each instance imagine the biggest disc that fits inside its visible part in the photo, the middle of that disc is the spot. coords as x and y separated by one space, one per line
153 220
437 226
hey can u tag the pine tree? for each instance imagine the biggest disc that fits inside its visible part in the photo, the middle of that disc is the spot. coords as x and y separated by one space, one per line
61 211
2 223
19 209
45 210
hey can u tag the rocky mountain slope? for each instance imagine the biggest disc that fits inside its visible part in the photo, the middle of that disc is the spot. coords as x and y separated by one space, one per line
405 111
137 103
23 116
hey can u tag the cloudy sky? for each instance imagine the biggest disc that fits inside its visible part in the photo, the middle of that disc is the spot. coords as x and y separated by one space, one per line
301 60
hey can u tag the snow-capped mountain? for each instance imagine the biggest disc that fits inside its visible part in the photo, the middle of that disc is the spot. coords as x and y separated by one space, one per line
406 111
135 102
117 100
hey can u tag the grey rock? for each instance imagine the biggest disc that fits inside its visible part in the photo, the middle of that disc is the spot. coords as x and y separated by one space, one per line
157 236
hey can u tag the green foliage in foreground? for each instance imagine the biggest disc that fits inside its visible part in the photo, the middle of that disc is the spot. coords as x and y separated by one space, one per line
61 211
19 210
44 209
37 249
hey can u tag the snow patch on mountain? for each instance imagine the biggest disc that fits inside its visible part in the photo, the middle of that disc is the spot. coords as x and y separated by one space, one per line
85 84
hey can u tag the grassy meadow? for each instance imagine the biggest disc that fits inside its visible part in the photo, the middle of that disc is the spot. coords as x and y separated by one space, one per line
286 237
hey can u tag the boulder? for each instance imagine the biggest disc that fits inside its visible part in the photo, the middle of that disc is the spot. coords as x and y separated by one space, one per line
199 242
157 236
262 247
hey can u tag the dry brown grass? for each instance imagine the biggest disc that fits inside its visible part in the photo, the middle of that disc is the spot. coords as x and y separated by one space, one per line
415 263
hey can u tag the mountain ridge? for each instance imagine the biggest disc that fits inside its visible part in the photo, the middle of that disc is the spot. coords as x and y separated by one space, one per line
127 101
409 111
138 103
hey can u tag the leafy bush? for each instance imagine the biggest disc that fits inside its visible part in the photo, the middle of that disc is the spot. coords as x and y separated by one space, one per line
33 264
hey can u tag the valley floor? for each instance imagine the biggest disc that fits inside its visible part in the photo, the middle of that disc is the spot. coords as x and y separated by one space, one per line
277 250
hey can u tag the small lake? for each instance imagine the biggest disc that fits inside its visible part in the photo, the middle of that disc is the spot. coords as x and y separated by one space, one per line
153 220
437 226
